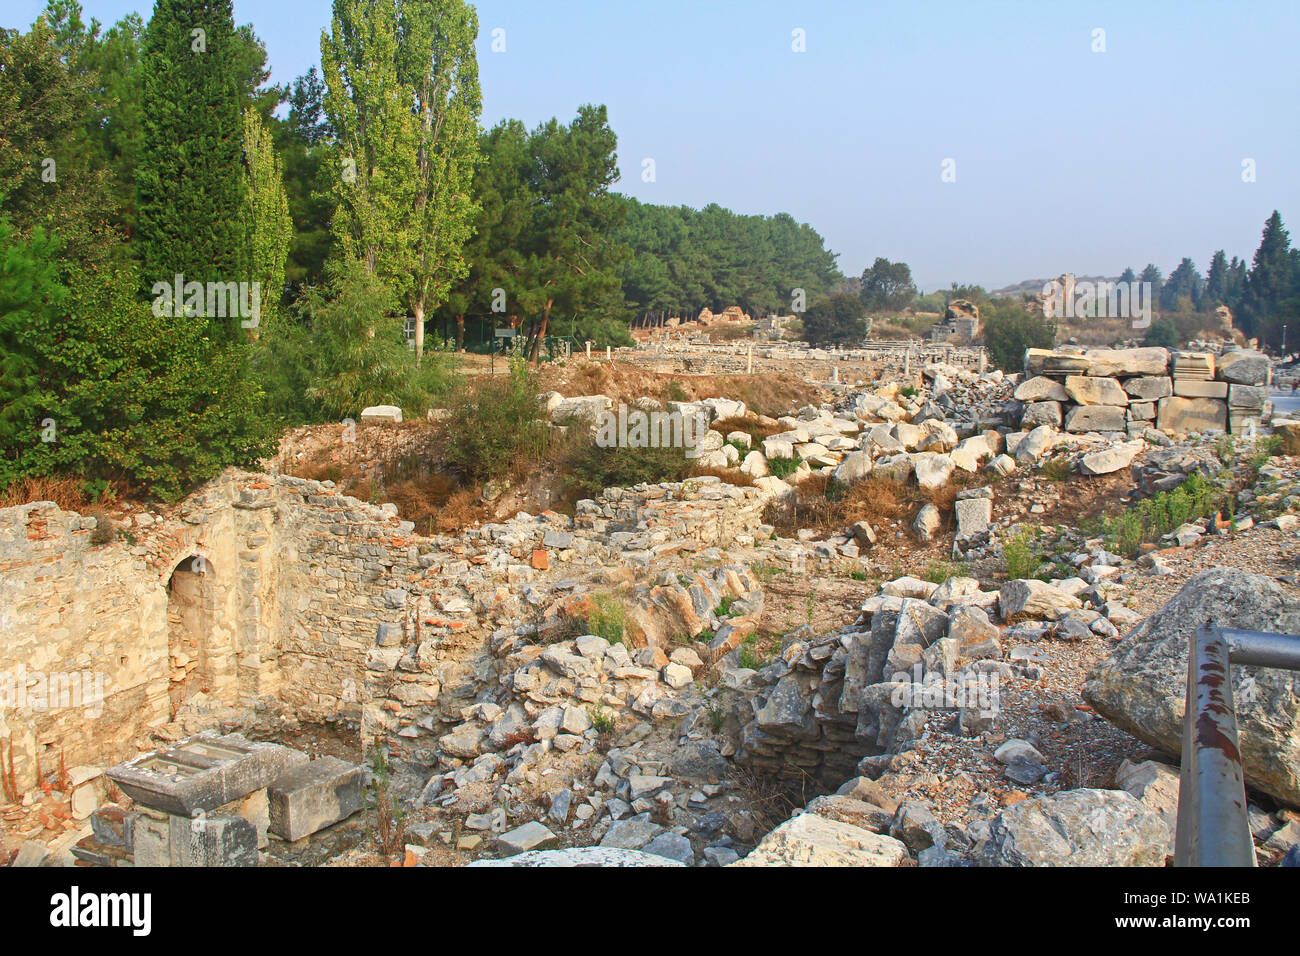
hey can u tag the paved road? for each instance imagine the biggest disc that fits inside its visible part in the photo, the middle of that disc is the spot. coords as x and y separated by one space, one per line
1286 404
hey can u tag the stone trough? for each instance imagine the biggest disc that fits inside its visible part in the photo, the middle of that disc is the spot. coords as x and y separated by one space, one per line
211 800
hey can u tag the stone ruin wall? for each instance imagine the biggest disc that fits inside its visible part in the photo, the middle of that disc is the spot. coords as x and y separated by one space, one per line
285 615
318 606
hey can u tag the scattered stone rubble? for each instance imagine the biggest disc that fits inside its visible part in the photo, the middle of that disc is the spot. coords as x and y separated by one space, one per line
536 738
919 648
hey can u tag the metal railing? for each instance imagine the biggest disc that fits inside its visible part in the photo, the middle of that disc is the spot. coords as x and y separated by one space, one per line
1213 826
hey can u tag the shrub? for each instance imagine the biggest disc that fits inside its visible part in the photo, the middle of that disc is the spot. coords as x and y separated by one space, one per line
747 654
596 468
1162 513
1022 556
1057 469
608 619
1162 334
493 427
939 571
783 467
1010 329
601 719
674 392
355 353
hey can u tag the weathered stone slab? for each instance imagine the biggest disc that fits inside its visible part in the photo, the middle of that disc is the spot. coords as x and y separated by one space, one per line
313 796
382 413
1111 459
1040 389
1121 362
1028 599
1037 443
601 856
1186 415
1096 418
1091 390
213 840
1076 828
531 836
1194 388
974 516
1247 397
203 772
1041 413
1244 367
812 840
1149 388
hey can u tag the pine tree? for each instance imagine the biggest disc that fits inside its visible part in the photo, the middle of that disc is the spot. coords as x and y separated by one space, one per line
1272 285
572 257
1152 275
1183 283
190 180
1216 282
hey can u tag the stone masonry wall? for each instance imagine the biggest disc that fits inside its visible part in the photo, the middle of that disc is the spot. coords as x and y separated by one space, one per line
322 606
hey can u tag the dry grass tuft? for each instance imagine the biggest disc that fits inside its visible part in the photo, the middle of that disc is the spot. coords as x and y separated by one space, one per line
595 379
732 476
67 493
748 424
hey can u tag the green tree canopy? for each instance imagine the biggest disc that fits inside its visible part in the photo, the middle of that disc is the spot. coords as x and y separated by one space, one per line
1010 329
839 319
887 286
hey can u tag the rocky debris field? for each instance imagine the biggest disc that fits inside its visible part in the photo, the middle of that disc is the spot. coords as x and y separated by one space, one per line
662 676
1023 770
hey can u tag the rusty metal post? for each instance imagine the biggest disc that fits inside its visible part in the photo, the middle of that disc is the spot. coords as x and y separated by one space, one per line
1213 828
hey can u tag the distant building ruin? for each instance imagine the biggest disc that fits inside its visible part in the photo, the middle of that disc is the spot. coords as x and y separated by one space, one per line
960 324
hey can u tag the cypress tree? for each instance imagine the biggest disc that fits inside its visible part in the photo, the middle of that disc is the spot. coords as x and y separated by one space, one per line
190 184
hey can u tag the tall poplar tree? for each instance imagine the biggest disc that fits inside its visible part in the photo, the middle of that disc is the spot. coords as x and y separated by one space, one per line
402 96
270 228
438 61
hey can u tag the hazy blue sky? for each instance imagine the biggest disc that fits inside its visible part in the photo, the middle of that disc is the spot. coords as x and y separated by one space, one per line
1065 159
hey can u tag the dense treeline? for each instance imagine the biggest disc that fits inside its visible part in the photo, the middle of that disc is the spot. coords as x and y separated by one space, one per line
191 258
684 260
1263 296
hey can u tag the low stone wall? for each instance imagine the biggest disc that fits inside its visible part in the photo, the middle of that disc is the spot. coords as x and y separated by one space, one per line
1130 390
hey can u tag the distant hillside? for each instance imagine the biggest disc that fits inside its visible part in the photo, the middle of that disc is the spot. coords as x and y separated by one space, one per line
1035 286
